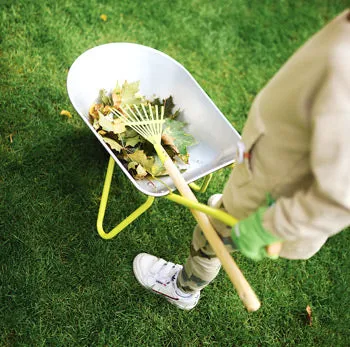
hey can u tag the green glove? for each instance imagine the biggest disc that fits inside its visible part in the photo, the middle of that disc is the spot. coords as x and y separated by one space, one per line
251 238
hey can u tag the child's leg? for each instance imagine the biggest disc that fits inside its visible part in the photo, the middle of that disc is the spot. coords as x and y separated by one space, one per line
202 266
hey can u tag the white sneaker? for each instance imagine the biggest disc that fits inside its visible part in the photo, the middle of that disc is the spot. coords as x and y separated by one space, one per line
215 200
160 276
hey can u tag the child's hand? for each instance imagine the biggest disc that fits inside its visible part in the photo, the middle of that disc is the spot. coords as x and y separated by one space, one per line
274 249
253 240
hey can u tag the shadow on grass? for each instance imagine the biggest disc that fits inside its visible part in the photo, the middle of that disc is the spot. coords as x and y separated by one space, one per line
54 191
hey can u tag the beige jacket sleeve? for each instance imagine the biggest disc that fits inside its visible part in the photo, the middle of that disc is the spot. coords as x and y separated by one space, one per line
297 145
323 209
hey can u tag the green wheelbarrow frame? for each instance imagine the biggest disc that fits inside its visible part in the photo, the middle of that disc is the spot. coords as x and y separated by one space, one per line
213 212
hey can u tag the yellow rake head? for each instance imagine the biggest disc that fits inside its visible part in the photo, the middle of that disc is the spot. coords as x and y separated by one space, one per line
146 121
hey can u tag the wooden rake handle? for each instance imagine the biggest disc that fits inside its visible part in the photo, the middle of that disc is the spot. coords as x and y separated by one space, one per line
244 290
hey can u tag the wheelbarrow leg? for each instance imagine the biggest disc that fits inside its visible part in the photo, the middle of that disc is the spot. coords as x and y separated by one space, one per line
103 204
203 187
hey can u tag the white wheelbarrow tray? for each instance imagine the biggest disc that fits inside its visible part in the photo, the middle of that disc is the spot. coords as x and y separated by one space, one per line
161 76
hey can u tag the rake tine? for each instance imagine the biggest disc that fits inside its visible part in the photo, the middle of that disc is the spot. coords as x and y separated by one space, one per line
148 124
119 114
145 118
161 122
125 119
155 121
152 125
133 116
138 111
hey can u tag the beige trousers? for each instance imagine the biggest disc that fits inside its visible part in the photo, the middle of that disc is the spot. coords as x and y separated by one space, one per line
202 266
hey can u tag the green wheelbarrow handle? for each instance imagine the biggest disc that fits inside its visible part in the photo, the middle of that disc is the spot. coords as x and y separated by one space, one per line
273 250
210 211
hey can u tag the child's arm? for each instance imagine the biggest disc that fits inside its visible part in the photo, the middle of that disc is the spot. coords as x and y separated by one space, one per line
323 209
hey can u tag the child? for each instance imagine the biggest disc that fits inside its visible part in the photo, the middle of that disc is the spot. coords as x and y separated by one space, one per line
296 149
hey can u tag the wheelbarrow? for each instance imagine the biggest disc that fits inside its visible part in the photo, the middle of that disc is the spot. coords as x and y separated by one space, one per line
160 75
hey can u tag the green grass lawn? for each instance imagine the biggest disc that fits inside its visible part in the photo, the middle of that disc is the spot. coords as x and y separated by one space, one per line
60 283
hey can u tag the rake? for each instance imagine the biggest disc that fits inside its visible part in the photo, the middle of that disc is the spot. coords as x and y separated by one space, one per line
148 122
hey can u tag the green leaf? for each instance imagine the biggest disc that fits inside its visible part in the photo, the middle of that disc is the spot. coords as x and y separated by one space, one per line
168 107
105 98
129 132
158 168
130 138
175 136
132 141
124 139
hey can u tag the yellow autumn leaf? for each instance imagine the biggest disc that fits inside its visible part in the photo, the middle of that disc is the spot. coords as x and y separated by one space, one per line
66 113
140 157
102 132
113 144
132 165
96 124
141 172
103 17
309 315
116 126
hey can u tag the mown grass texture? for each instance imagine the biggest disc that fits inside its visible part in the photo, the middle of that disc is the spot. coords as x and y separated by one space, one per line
61 284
